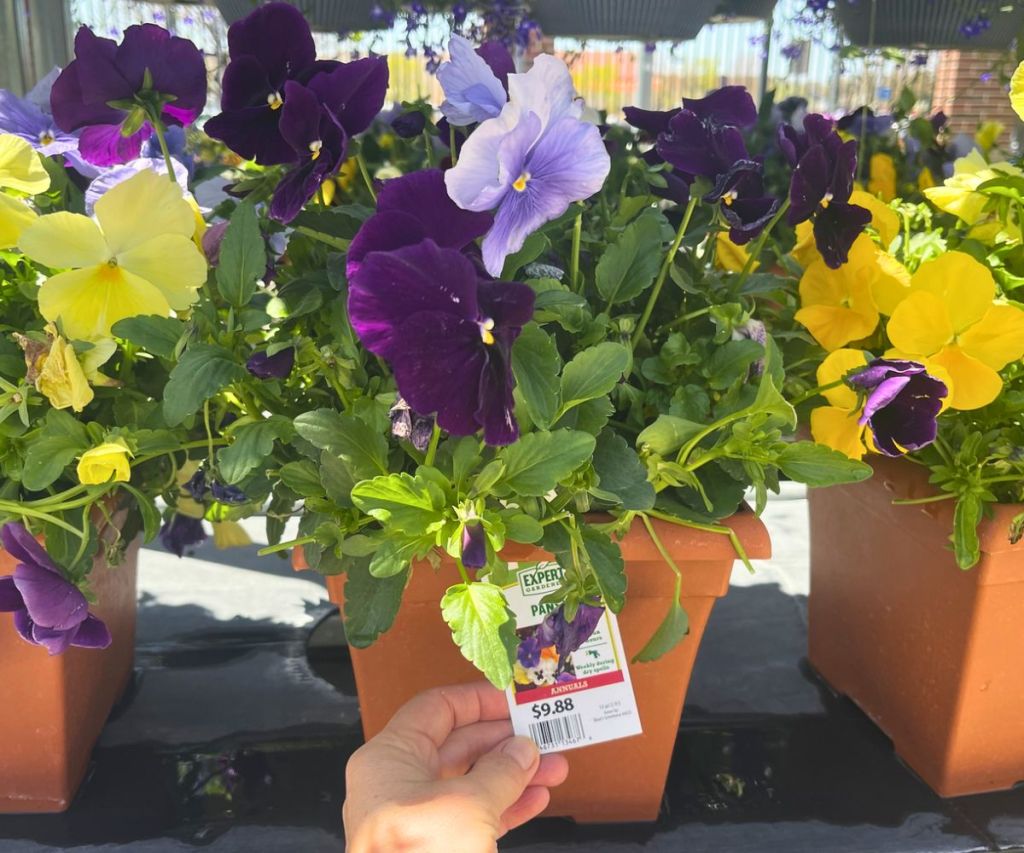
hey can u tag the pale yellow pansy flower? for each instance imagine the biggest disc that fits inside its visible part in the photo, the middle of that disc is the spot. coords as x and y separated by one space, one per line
21 170
987 134
882 177
105 463
730 256
230 534
957 195
950 318
136 257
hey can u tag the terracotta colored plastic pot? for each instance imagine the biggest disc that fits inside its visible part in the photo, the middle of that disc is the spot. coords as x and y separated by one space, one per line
621 780
930 652
53 708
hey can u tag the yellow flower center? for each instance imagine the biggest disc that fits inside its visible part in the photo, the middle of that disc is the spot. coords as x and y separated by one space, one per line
314 148
275 101
729 198
45 138
485 331
519 184
826 200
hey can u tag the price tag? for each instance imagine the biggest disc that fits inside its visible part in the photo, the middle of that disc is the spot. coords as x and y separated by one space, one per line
565 702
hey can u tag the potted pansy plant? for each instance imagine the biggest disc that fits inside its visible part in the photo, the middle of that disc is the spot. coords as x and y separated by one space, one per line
102 280
518 358
910 357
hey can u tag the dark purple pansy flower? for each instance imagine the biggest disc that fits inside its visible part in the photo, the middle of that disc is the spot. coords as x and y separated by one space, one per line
225 494
821 186
410 209
650 122
106 89
567 636
731 105
903 401
409 124
196 485
268 47
48 610
864 121
276 366
474 546
181 533
745 207
317 121
446 334
695 146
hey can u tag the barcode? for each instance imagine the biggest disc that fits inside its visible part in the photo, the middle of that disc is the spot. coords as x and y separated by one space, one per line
561 731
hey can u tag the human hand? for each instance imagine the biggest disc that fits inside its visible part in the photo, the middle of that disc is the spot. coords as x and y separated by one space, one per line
446 775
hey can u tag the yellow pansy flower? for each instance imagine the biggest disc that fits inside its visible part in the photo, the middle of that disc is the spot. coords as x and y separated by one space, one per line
884 220
925 179
957 195
105 463
347 173
987 135
729 256
328 189
1017 91
882 179
950 318
806 250
136 257
21 170
229 534
838 305
835 425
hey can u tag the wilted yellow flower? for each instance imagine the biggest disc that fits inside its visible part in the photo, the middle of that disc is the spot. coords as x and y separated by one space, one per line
137 257
729 256
108 462
882 179
62 375
950 318
230 534
21 170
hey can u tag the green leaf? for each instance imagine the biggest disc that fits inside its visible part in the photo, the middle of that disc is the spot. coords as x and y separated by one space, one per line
535 246
771 402
412 505
593 373
520 527
371 603
476 613
731 361
252 444
605 558
203 370
536 365
348 437
966 518
302 477
818 465
393 556
536 463
243 257
61 438
628 266
337 479
621 472
147 509
667 434
674 627
153 333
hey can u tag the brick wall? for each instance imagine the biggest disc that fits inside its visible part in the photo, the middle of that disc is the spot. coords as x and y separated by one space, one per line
968 100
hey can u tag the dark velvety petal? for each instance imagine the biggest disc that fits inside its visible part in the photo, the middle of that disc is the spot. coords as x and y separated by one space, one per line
687 146
276 366
91 634
677 189
278 36
354 91
386 230
423 194
808 185
497 405
728 146
818 128
67 100
409 124
10 598
245 84
437 368
300 118
103 144
181 533
99 75
735 179
25 548
835 229
225 494
509 304
747 217
175 64
253 134
845 168
296 188
474 546
792 143
728 105
500 61
389 287
50 600
651 122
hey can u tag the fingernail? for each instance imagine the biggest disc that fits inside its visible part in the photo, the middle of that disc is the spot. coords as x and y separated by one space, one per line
522 750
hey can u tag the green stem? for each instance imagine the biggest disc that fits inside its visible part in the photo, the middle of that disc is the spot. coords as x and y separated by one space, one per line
720 529
700 312
158 129
759 245
16 509
284 546
435 437
334 242
574 258
663 273
366 176
462 571
814 392
928 500
451 145
209 432
656 539
429 146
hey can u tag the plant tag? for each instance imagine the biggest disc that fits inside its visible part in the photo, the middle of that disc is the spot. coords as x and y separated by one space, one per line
586 698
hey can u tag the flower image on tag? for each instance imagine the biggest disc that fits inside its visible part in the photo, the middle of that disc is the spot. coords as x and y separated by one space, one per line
572 685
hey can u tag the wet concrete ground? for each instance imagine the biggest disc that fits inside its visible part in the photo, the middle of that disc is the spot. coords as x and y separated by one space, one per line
235 733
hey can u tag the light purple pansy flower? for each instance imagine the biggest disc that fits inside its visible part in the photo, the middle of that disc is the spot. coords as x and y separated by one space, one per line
531 162
474 81
30 119
110 178
48 610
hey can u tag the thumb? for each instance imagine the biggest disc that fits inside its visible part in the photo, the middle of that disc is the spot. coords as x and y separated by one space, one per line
500 776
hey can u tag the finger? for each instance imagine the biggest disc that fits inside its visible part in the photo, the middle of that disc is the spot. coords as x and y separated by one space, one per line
532 802
464 746
553 770
500 776
436 713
